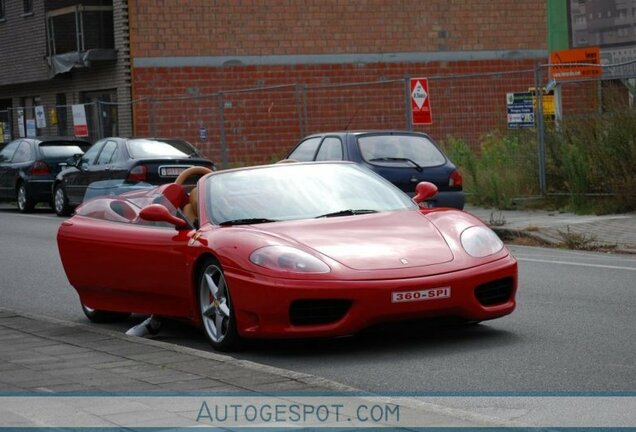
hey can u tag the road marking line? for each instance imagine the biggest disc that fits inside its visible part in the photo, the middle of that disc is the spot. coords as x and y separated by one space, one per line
577 264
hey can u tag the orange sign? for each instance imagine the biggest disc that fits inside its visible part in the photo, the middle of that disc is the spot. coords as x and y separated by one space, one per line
573 64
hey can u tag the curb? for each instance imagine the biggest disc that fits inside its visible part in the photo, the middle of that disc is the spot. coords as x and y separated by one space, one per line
310 380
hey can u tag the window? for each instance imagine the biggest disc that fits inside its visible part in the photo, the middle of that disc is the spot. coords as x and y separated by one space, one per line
28 7
7 152
305 150
106 156
2 11
23 153
90 156
331 149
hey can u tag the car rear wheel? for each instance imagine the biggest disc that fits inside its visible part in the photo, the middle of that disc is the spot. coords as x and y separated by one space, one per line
99 316
25 203
217 315
60 202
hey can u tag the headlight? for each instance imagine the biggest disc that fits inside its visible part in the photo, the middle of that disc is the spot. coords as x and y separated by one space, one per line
288 259
480 241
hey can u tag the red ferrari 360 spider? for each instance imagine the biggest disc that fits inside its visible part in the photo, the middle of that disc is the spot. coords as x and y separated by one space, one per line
284 250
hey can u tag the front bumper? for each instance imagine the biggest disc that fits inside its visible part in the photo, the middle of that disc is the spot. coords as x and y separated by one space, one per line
262 305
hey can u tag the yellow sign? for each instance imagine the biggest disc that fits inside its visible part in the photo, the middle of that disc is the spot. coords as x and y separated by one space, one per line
547 99
1 132
53 116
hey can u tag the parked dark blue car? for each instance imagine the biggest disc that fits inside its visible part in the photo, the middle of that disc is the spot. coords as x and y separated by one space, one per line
402 157
28 167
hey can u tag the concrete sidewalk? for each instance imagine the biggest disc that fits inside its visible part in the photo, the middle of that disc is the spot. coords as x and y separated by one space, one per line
44 356
614 231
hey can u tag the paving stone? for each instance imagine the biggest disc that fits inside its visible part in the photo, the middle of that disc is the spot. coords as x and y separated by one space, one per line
170 376
122 362
59 349
90 357
252 378
130 386
198 384
167 358
69 387
18 376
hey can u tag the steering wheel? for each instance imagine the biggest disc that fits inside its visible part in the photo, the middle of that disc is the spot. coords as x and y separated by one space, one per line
189 172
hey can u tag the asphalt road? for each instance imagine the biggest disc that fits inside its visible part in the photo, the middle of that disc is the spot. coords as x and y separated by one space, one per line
574 329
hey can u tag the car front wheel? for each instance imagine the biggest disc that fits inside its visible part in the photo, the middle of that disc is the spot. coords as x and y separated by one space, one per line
60 201
99 316
25 203
217 315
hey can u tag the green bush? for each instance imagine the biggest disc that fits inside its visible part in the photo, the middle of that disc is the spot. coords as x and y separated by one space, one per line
504 168
590 164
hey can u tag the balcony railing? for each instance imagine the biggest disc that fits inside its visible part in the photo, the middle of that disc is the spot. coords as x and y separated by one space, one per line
79 35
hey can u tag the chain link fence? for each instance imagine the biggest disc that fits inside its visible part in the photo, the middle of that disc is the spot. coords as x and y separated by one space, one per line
262 124
57 120
549 150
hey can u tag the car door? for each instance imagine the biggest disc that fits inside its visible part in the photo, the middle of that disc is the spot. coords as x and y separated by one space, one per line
101 170
306 150
7 183
118 262
119 162
22 160
77 180
331 149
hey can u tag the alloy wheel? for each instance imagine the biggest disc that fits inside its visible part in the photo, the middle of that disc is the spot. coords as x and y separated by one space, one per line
215 304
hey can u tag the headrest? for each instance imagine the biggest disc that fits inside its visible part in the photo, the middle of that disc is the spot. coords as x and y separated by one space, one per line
175 194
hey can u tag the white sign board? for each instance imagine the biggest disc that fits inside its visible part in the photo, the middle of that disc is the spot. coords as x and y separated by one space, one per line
30 128
40 117
21 131
80 126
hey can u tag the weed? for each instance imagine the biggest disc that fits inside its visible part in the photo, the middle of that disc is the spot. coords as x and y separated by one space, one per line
497 219
578 241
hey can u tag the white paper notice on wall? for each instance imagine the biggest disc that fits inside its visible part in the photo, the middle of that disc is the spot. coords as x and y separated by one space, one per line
21 131
79 121
40 117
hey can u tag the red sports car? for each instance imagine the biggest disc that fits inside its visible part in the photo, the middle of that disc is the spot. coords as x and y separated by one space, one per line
284 250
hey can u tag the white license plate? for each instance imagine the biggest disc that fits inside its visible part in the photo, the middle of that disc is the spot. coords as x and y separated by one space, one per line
421 295
171 171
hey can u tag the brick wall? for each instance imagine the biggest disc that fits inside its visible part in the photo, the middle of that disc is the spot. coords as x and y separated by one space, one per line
264 122
254 44
283 27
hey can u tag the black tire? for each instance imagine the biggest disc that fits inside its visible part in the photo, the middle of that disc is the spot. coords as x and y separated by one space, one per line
99 316
216 310
25 202
60 203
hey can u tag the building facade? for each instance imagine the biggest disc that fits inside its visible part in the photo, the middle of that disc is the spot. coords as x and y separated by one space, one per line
246 79
57 53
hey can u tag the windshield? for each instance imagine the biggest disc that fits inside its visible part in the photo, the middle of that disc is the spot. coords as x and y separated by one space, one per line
400 150
60 149
299 191
149 148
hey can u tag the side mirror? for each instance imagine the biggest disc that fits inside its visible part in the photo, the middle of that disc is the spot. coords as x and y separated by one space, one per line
424 191
75 160
159 213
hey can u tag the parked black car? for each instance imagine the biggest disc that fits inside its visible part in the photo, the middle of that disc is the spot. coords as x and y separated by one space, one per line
402 157
133 160
28 167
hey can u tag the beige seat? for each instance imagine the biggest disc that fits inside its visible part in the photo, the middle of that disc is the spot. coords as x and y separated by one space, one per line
191 209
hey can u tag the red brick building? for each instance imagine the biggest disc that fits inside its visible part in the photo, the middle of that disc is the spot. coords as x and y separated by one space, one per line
309 65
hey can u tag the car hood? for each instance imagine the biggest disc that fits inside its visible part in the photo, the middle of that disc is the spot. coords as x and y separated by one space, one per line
381 241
